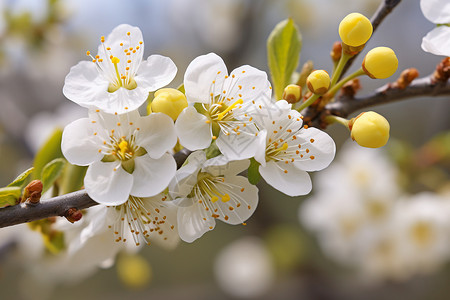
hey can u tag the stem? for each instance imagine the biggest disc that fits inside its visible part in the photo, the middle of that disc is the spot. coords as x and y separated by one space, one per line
339 85
308 102
342 62
335 119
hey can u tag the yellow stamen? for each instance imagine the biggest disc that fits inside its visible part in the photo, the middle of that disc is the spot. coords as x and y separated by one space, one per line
115 61
222 114
225 198
123 145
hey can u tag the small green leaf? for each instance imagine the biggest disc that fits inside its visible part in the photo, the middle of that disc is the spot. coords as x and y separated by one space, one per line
73 178
51 172
283 53
9 195
253 172
20 180
47 153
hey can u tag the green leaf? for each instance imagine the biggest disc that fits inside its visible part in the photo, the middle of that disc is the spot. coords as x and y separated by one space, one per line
283 53
253 172
9 195
48 152
51 172
20 180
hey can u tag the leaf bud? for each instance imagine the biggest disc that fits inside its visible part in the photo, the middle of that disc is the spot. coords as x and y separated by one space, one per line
292 93
169 101
318 82
380 63
370 130
355 30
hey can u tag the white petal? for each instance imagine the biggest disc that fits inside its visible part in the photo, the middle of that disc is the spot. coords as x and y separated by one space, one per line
199 77
250 82
79 144
192 130
437 41
156 72
186 177
193 222
83 84
152 176
321 150
437 11
293 183
157 134
220 165
120 35
260 155
244 192
106 186
237 147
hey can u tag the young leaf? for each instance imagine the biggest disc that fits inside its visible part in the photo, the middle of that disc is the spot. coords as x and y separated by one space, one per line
9 195
51 172
72 178
47 153
20 180
253 172
283 53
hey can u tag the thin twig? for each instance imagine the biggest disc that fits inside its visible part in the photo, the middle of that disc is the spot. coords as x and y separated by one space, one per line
57 206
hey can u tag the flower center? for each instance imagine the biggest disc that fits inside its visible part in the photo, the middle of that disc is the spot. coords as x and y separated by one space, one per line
124 151
206 188
119 68
422 233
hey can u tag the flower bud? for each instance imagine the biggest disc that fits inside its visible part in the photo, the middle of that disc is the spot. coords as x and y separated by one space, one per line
355 30
73 215
318 82
336 52
292 93
169 101
380 62
370 130
32 192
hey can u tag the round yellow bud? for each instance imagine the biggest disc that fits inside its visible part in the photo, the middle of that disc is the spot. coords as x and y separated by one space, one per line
355 30
318 82
380 62
292 93
169 101
370 130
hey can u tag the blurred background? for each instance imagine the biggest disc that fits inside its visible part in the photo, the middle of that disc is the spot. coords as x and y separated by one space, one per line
278 255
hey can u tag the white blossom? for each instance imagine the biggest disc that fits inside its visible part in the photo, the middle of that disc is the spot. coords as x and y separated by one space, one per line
437 41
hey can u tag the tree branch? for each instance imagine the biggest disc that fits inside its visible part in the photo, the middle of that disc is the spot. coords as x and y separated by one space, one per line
346 105
57 206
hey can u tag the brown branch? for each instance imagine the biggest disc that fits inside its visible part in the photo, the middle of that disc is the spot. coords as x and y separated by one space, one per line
346 105
57 206
385 8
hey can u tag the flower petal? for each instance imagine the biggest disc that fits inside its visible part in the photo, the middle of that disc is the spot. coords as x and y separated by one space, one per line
244 199
83 84
193 222
79 144
220 165
157 134
156 72
193 131
294 182
108 183
437 11
437 41
321 149
204 75
237 147
152 176
249 82
119 35
186 177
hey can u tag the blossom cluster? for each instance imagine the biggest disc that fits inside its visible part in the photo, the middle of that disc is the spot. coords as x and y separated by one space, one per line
363 220
228 122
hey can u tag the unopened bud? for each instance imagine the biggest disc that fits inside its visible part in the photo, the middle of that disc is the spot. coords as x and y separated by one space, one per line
307 68
32 192
351 87
292 93
73 214
336 51
406 78
370 130
442 72
170 102
355 30
380 62
318 82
